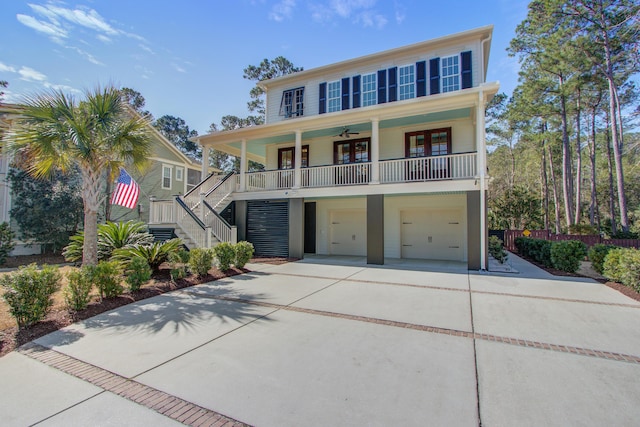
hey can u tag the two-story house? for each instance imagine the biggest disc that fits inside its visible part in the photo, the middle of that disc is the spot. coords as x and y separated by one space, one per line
381 156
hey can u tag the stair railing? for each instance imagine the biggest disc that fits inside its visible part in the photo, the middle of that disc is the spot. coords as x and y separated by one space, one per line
191 225
220 228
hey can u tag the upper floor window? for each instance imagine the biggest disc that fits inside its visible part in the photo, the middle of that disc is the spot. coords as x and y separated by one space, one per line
286 157
407 87
354 151
450 73
166 177
292 104
369 90
334 102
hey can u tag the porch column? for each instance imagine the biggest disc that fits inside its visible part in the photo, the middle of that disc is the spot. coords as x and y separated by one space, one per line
205 161
297 160
481 147
243 165
375 152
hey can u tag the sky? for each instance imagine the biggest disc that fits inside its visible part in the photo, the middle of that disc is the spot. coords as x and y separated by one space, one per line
187 57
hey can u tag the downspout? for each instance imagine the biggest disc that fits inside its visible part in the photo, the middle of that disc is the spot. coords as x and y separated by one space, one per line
482 169
483 69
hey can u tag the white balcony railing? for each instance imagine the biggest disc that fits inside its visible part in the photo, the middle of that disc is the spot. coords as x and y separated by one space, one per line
162 212
454 166
269 180
329 176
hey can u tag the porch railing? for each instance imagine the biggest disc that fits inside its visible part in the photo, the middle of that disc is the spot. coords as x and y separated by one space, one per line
192 226
329 176
162 212
454 166
220 228
269 180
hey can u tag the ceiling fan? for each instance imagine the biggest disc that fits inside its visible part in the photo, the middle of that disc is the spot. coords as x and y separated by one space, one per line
346 134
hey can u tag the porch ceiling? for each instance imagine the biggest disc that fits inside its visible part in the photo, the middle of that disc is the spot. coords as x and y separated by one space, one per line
257 147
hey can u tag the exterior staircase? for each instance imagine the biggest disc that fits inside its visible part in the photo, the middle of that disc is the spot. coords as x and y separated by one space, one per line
195 217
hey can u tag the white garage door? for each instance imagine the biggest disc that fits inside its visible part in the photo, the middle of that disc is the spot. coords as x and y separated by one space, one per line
348 232
432 234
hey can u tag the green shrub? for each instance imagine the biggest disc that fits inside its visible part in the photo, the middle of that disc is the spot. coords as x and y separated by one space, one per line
630 267
77 293
612 266
137 273
181 256
597 254
29 291
155 254
243 253
566 255
6 241
200 261
537 249
225 254
583 230
111 236
497 250
106 277
178 273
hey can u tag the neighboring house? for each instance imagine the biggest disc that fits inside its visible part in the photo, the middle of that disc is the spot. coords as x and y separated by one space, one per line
381 156
169 173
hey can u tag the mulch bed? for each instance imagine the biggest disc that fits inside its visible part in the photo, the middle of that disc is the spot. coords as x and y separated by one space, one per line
12 338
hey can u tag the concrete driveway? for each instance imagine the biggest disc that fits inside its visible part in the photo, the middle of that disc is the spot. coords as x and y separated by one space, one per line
329 341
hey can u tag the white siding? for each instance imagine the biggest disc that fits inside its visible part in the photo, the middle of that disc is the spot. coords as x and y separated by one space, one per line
311 85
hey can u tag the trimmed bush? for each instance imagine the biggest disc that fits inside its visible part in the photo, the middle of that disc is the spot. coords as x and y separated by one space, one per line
155 254
566 255
244 252
612 266
6 241
200 261
597 254
137 273
225 254
106 277
537 249
77 293
29 291
497 250
630 267
178 261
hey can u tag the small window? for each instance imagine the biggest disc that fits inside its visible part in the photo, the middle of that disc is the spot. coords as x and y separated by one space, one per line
292 104
179 174
334 101
369 90
166 177
407 86
450 74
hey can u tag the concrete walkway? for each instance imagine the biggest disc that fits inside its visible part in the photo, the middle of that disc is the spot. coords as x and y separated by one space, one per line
332 341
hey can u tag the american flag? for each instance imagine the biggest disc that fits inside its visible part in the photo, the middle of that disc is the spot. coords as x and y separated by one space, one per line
126 192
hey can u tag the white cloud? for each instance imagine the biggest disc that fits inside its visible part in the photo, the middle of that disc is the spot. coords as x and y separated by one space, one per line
178 68
63 88
7 68
401 13
55 32
85 54
146 48
29 74
282 10
85 18
344 8
371 19
103 38
358 11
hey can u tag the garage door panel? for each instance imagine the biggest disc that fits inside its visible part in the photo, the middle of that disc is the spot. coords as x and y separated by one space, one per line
268 227
348 232
432 234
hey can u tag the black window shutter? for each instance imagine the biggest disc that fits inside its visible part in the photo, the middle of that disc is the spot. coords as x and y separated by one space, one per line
345 93
466 70
322 108
355 97
382 86
393 84
421 78
434 76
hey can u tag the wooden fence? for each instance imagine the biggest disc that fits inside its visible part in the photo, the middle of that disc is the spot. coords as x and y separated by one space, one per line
590 240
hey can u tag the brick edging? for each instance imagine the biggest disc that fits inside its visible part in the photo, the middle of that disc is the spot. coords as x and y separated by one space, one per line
163 403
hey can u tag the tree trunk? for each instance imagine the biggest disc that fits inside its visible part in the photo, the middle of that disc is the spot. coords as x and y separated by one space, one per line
593 205
107 206
555 192
567 173
545 182
91 183
616 136
578 187
612 193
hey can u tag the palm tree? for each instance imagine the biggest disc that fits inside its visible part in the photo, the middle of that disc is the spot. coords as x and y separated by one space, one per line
97 135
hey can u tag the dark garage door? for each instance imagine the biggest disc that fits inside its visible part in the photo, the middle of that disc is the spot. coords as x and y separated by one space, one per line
268 227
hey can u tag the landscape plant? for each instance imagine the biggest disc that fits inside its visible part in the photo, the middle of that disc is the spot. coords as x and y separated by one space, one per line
244 251
178 262
566 255
29 292
597 254
612 265
137 273
200 261
497 250
155 254
106 277
77 293
225 254
6 242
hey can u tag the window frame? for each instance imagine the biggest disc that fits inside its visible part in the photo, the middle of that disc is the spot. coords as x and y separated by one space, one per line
412 84
179 174
305 153
334 103
170 177
352 142
427 142
450 87
295 105
374 90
